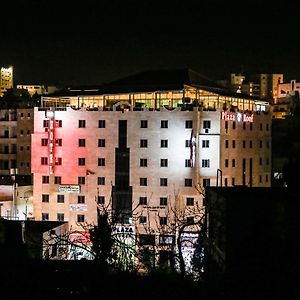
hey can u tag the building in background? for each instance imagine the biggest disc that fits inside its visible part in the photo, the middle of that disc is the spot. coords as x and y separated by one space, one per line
6 79
34 89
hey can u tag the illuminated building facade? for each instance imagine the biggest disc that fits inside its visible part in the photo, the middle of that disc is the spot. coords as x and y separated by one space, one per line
37 89
144 150
6 79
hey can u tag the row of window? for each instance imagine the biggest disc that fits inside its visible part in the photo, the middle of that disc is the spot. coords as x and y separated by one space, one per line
61 217
164 220
102 123
245 126
233 162
233 143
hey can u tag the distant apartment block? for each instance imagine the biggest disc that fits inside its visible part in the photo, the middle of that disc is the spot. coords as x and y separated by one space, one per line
6 79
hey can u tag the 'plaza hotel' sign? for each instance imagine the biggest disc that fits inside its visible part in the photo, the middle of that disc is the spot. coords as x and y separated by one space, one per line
238 116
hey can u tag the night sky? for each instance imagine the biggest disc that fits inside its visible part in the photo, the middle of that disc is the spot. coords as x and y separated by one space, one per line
73 43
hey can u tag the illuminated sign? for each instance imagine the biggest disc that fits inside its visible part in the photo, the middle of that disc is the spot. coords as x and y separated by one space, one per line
123 229
78 207
239 116
50 115
69 188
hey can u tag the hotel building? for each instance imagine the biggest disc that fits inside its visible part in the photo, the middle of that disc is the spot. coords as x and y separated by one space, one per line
145 146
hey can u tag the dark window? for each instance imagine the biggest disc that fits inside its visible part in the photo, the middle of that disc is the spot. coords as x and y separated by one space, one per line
101 162
58 123
190 220
44 142
144 123
188 124
45 217
233 162
58 142
233 125
101 124
81 161
251 126
232 181
101 142
189 201
261 126
60 198
46 123
143 220
44 161
164 162
250 144
80 218
163 201
60 217
147 239
143 201
163 221
226 163
206 182
205 143
267 128
81 143
260 144
164 143
58 161
244 144
226 143
57 179
187 143
101 180
80 199
100 199
233 144
45 179
244 125
143 162
205 163
143 143
81 123
188 163
143 181
206 124
81 180
45 197
188 182
163 181
164 124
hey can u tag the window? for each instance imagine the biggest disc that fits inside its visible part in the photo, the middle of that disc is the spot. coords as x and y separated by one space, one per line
206 182
187 143
206 124
232 181
260 161
233 162
244 126
81 123
268 144
81 143
244 144
260 126
46 123
80 199
101 124
163 201
45 179
143 143
60 198
44 142
81 180
44 161
188 182
205 143
143 181
58 142
226 163
188 124
80 218
226 181
260 144
81 161
226 125
190 220
101 142
267 128
163 221
226 143
189 201
144 123
164 162
101 162
147 239
21 148
188 163
57 179
205 163
143 162
60 217
164 143
58 161
58 123
233 144
143 219
251 126
101 180
163 181
45 217
233 125
100 199
45 197
143 201
164 124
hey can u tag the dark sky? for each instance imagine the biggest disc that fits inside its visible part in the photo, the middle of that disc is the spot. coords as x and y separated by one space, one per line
91 42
